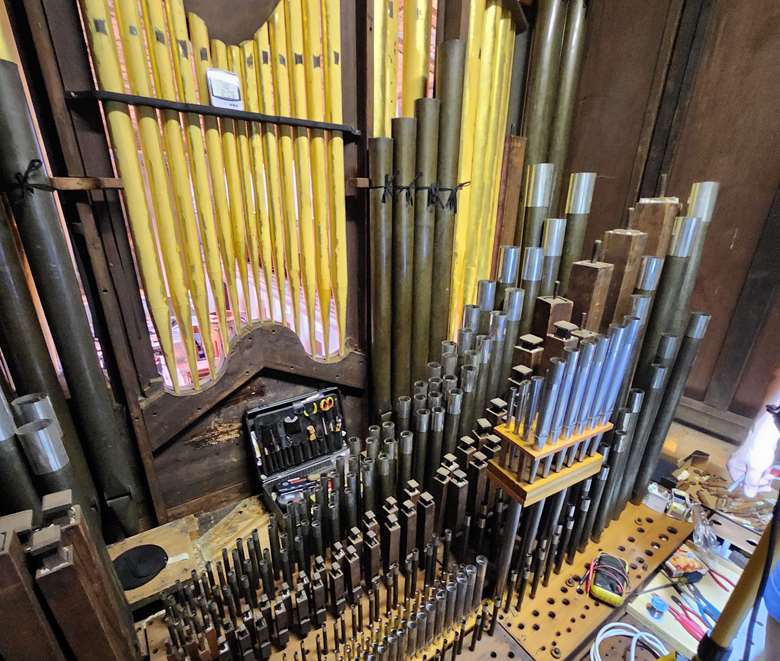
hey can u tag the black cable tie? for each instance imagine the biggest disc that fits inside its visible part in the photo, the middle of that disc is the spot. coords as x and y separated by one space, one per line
22 186
409 190
386 188
452 200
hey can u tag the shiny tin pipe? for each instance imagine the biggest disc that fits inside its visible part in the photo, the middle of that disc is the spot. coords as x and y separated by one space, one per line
42 445
508 269
487 345
471 315
468 384
549 399
608 372
35 406
594 375
452 419
571 357
585 362
533 264
403 413
422 423
538 191
405 457
534 401
434 370
513 308
380 163
552 244
18 488
435 442
498 329
649 275
578 202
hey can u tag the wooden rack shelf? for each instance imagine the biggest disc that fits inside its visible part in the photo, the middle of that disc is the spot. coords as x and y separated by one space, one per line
534 453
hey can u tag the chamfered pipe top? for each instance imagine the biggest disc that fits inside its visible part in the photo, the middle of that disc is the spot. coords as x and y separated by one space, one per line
702 199
42 444
533 262
552 239
684 235
7 424
581 185
486 294
513 303
36 406
539 185
498 325
650 273
697 325
509 264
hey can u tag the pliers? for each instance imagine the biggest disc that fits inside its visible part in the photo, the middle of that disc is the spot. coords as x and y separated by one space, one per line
686 622
690 613
705 607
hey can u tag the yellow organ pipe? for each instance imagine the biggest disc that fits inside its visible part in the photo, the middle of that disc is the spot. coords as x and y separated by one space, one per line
106 64
165 86
464 229
187 90
131 32
333 114
417 31
278 38
249 80
315 86
507 51
487 94
200 48
391 72
271 154
235 187
246 170
378 70
297 90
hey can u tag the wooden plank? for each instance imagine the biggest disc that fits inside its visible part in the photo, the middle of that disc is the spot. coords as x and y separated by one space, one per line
588 288
239 522
25 633
623 248
176 538
511 191
724 424
528 494
756 300
528 449
267 346
559 621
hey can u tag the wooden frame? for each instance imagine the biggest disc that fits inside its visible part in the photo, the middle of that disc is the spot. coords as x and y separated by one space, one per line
98 226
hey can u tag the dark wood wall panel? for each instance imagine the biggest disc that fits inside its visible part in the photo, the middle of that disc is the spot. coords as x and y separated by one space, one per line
208 464
730 134
617 82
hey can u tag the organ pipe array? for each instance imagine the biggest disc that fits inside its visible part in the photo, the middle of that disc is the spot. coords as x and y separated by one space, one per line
238 220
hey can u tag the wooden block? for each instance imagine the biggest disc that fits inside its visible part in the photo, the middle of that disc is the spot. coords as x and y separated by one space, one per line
547 311
25 632
529 351
588 288
623 248
655 216
512 189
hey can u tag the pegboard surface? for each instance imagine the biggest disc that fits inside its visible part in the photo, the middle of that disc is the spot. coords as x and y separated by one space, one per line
559 621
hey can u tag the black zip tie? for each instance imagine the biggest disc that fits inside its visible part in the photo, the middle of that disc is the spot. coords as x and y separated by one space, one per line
386 188
452 200
19 190
410 189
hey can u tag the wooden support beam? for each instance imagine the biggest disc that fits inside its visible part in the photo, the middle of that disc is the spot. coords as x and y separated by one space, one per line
623 248
588 288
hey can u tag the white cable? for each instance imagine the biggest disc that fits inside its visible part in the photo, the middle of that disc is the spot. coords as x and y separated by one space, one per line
629 630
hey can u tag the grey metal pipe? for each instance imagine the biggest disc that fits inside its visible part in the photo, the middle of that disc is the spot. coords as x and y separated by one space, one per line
508 269
571 357
106 439
486 345
452 419
435 443
578 202
533 263
498 331
468 384
471 315
18 491
594 375
538 192
549 400
405 457
581 377
511 523
35 406
403 413
513 308
422 422
552 243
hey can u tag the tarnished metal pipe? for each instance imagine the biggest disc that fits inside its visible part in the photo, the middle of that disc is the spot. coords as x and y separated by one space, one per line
538 191
46 456
404 130
578 201
18 491
35 406
427 113
435 443
486 346
380 164
531 282
486 300
678 377
405 457
471 316
498 331
514 298
449 90
403 413
468 384
552 243
422 424
571 65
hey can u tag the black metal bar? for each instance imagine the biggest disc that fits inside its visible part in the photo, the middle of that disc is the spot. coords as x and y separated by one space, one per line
350 132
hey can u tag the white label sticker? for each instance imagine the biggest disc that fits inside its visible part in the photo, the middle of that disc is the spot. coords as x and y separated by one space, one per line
224 89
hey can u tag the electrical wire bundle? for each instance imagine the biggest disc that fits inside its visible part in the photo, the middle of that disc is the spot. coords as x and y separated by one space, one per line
637 636
607 579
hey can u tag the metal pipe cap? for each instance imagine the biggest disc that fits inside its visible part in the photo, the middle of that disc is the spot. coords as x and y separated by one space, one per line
437 418
468 378
533 263
539 184
486 350
471 314
702 199
35 406
684 235
513 303
509 264
454 401
697 325
406 444
486 295
552 238
42 445
635 398
581 186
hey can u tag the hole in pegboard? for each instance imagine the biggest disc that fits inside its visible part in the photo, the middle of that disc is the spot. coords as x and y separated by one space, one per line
500 616
572 620
535 613
557 635
535 627
632 539
655 545
521 626
564 589
580 591
638 576
542 648
568 629
621 548
672 530
511 654
508 625
493 655
640 559
551 615
587 607
663 537
576 578
638 520
633 565
640 530
550 601
582 616
649 553
596 604
565 602
649 519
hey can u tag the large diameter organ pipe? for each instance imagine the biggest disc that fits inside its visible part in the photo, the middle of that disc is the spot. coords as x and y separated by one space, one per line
106 440
427 114
508 269
701 204
513 308
18 488
531 281
552 243
538 193
578 201
404 130
27 356
571 65
449 90
697 328
669 299
381 267
542 86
